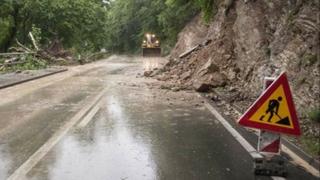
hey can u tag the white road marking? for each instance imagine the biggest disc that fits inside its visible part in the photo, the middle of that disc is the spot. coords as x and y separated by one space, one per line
89 116
285 149
277 178
245 144
297 160
22 171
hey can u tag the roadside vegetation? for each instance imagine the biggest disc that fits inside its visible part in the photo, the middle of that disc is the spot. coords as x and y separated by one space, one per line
27 62
84 26
311 145
314 115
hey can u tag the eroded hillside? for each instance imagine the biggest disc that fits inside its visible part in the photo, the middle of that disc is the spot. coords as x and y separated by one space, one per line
247 41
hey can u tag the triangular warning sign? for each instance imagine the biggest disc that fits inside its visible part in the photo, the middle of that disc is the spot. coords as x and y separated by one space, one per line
274 110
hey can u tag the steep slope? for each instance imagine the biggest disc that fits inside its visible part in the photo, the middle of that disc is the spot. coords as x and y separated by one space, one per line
248 41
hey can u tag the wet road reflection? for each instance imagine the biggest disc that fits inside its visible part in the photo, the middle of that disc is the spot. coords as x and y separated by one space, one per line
137 134
105 150
26 123
138 137
4 163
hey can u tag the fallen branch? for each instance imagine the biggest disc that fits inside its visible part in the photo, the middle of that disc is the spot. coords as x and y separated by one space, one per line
22 46
33 41
13 59
189 51
16 53
12 63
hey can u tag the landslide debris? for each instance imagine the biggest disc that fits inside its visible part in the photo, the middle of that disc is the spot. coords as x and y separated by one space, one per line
247 42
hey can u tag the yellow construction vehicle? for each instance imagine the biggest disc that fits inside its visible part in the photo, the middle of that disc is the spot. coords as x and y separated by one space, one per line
150 45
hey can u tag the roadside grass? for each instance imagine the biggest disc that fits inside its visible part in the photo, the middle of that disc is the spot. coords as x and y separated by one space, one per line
311 144
314 115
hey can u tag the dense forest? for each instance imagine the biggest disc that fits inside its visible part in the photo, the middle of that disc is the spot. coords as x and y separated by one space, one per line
90 25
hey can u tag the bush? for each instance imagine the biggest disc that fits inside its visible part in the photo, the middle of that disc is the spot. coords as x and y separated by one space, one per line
30 62
314 115
311 144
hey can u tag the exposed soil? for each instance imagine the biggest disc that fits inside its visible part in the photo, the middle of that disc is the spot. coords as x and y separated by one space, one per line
242 46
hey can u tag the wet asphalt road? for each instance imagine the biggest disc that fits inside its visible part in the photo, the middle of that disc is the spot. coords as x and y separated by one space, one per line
137 133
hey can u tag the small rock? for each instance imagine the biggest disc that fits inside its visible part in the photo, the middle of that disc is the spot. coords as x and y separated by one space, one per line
232 89
227 56
185 75
18 71
215 98
164 87
201 87
175 89
147 73
208 67
207 42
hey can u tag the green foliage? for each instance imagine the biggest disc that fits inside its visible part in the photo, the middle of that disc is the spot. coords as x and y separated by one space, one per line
207 7
36 32
4 30
6 22
30 62
314 115
129 20
89 25
173 18
79 24
309 59
311 144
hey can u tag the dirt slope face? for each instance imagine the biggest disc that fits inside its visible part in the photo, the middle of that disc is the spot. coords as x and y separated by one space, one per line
193 34
246 42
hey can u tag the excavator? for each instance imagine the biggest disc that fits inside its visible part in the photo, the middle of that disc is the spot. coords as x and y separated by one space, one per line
151 46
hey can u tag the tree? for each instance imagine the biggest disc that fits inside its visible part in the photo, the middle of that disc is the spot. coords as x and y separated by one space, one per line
80 24
88 25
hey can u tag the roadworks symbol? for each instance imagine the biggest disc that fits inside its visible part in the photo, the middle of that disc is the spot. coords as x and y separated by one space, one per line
274 111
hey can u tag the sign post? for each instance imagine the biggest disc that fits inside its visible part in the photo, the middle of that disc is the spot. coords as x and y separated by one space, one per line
269 142
273 113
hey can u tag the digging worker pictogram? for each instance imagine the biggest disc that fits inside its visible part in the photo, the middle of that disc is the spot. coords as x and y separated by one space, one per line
273 108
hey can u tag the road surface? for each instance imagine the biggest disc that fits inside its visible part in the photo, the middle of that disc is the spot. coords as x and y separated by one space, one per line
103 121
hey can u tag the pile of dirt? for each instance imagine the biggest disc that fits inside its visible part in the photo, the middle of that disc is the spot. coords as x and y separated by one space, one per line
247 42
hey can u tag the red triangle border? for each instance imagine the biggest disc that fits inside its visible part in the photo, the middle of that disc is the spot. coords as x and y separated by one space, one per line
281 80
